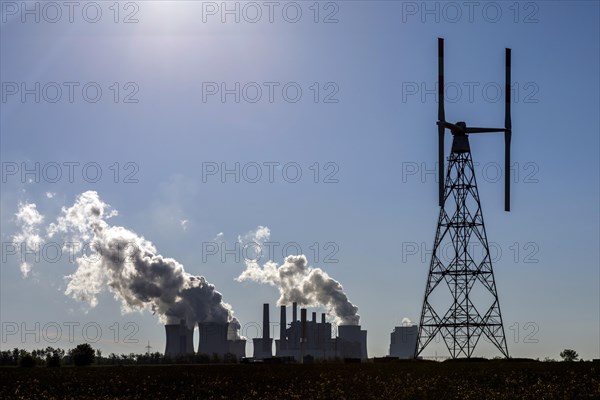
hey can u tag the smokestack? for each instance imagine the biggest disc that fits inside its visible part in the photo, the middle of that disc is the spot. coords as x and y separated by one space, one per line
322 318
303 320
303 338
283 325
266 327
314 317
266 321
294 312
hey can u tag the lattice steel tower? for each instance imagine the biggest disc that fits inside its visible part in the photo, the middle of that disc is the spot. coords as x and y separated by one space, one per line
461 301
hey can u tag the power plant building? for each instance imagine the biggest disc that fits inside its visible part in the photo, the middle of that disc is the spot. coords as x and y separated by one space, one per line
352 342
300 339
403 341
310 338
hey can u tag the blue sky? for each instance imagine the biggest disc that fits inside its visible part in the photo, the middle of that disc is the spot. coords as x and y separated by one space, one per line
379 139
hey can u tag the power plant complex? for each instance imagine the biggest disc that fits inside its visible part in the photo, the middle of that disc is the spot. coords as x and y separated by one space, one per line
300 340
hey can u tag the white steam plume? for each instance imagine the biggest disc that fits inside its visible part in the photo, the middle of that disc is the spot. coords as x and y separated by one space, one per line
130 267
301 283
28 219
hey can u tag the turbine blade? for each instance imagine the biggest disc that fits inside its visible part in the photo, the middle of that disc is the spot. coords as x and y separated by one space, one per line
441 165
441 117
507 94
508 131
507 140
441 111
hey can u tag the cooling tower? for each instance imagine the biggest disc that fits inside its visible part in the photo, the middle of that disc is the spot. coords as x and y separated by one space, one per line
172 347
363 345
403 341
180 339
213 338
237 347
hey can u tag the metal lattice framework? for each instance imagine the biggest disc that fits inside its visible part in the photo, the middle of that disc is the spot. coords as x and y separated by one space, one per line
466 307
461 259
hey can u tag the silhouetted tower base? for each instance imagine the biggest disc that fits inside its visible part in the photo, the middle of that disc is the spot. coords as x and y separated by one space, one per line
461 302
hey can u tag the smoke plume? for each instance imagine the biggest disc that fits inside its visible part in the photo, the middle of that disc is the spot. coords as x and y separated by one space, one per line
129 266
28 219
301 283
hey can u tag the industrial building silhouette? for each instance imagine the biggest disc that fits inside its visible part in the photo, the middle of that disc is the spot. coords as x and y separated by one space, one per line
214 338
300 340
403 341
304 338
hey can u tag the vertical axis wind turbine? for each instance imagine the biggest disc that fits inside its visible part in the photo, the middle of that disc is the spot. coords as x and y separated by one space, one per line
467 307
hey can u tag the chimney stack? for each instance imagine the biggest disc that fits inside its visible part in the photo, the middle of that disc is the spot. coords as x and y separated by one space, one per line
322 318
294 312
266 321
303 338
314 317
282 327
303 320
266 327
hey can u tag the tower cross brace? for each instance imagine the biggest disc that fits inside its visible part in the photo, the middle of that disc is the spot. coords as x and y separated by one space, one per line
461 302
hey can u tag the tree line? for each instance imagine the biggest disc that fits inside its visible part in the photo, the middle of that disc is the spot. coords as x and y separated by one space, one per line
84 354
